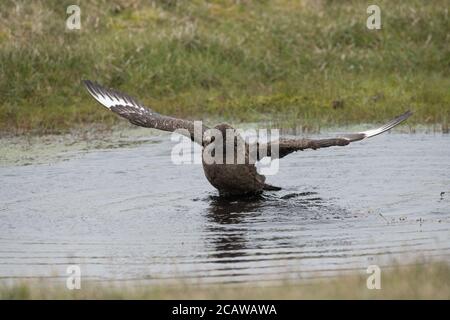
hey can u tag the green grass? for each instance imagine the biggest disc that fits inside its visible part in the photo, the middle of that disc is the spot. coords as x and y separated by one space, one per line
258 60
421 281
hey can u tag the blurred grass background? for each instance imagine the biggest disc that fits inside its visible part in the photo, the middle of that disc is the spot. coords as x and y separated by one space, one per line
418 281
304 63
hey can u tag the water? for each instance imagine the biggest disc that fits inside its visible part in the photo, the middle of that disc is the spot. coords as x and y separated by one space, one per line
128 213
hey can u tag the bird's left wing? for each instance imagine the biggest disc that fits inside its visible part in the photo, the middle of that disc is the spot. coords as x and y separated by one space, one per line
129 108
289 145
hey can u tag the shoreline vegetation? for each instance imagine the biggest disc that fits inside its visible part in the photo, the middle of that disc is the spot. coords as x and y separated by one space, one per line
418 281
39 148
308 64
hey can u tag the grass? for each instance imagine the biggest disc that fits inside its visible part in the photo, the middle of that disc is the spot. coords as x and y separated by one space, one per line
280 60
421 281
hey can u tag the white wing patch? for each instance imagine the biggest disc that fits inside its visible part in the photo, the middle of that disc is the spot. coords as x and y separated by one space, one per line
374 132
111 98
388 126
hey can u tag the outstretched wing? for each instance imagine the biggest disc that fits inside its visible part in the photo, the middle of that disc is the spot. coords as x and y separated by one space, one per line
129 108
287 146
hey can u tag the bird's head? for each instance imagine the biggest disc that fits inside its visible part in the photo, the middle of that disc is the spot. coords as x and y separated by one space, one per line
211 135
223 127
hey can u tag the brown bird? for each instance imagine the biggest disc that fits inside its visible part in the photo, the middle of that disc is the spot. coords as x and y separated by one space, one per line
235 178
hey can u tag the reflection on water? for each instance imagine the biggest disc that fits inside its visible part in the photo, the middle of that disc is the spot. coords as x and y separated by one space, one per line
129 213
231 218
223 214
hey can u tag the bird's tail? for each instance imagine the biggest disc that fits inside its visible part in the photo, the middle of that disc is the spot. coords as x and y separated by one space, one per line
268 187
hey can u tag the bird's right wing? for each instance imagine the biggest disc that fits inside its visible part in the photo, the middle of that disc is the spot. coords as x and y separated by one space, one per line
289 145
129 108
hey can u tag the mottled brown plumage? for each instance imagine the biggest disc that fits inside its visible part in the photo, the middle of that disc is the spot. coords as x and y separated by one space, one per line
234 179
229 179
